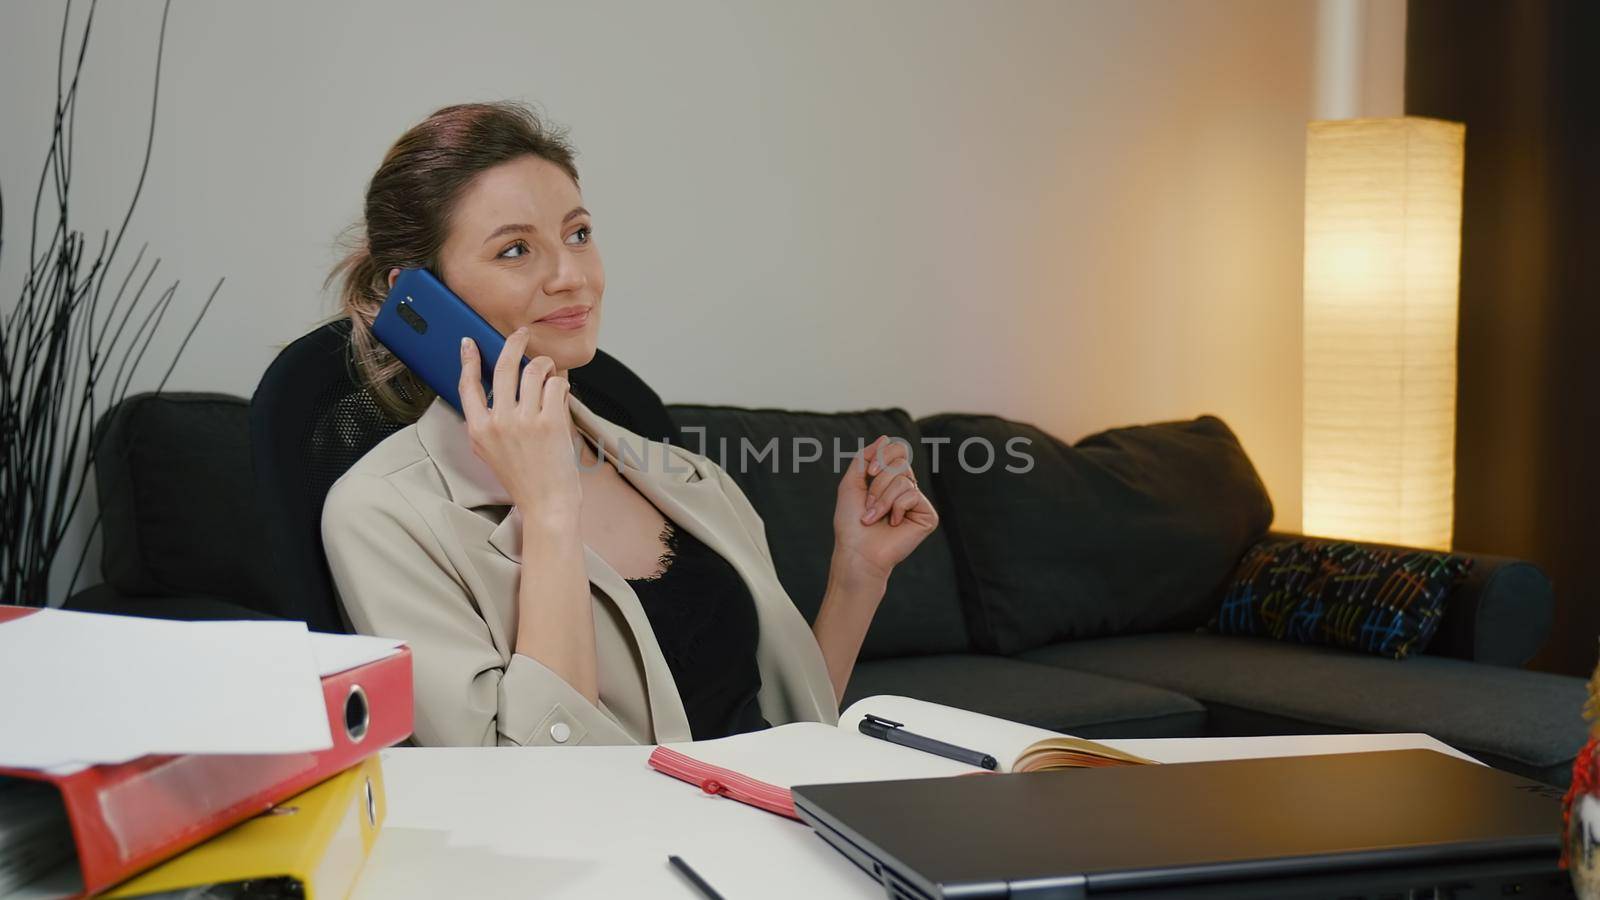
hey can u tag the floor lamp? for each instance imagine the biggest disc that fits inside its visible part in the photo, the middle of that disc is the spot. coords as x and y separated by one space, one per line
1382 263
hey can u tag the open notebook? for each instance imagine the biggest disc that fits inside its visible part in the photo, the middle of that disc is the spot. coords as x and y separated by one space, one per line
759 767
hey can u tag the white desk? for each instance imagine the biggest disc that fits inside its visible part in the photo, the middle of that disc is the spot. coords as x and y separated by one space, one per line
599 822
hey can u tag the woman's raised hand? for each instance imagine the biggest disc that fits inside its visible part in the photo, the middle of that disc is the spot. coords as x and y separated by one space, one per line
881 515
526 436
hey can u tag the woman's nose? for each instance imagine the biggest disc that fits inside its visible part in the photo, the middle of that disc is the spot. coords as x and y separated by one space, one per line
568 275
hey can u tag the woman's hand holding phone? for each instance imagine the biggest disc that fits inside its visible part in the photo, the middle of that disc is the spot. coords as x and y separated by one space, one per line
526 436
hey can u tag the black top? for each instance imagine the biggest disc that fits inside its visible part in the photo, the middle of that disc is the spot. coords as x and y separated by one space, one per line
705 621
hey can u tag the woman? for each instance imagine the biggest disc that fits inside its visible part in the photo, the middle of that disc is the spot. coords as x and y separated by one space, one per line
561 580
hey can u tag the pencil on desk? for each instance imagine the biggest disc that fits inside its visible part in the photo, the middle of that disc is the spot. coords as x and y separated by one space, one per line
695 878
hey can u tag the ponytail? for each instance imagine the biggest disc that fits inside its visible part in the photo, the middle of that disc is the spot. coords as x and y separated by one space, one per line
397 391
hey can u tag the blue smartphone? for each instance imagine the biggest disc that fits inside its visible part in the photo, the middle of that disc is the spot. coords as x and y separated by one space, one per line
422 323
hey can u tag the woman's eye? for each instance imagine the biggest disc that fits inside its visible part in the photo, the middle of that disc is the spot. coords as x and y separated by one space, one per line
588 235
519 246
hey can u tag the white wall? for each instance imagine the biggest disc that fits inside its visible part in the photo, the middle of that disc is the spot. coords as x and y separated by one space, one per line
1081 214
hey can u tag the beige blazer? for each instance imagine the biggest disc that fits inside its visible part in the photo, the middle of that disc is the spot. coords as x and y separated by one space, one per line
425 546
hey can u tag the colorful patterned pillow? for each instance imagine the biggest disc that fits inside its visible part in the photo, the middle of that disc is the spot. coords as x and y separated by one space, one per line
1364 598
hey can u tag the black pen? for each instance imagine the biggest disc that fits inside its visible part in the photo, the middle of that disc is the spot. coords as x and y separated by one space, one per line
895 733
694 878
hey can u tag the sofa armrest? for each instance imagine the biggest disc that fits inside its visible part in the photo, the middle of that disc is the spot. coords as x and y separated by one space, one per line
1500 614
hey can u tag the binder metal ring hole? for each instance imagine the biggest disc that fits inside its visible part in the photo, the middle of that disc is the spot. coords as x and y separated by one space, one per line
372 804
357 715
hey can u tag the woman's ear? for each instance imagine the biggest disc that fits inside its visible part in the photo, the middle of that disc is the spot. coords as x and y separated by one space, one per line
393 274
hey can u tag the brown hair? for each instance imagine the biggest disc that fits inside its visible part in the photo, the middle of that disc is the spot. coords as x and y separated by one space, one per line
407 216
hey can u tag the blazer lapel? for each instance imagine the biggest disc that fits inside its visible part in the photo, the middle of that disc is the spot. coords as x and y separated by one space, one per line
794 676
473 484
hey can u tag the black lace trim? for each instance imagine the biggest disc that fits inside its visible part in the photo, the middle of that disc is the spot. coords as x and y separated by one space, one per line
670 538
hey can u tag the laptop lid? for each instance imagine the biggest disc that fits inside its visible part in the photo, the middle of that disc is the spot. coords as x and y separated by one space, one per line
1089 831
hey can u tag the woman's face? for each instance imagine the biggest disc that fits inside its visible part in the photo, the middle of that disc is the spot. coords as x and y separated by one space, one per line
520 252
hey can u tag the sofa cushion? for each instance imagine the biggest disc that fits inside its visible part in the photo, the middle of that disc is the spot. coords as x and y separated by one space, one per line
1387 602
1526 722
1499 614
1076 703
1129 530
177 499
795 495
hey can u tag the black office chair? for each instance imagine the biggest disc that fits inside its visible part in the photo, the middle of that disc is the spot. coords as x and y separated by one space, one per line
311 419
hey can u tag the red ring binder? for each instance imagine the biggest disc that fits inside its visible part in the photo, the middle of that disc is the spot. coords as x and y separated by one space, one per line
126 818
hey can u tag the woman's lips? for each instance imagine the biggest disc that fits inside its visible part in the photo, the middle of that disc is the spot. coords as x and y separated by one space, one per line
567 322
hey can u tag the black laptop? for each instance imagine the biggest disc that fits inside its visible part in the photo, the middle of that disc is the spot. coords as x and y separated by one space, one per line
1404 824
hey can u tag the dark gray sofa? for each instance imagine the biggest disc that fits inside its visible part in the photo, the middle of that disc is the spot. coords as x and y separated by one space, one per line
177 465
1126 674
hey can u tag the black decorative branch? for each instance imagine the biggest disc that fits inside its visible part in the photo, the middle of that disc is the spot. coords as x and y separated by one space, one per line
61 342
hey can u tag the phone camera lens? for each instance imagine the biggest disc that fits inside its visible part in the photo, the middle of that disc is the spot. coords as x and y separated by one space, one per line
410 317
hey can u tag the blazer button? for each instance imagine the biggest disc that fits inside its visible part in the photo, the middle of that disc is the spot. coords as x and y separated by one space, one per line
559 732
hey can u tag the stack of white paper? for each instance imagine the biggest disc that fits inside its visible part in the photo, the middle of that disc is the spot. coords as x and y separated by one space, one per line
83 689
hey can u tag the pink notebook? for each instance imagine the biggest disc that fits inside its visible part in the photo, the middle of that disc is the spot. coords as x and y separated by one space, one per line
728 783
760 767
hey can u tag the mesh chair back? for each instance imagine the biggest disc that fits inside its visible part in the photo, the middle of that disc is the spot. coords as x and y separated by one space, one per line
311 419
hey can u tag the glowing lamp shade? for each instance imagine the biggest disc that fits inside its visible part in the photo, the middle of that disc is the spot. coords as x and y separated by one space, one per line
1383 249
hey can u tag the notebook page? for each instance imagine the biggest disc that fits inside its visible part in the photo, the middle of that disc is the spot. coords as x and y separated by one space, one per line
1003 739
813 753
1182 750
138 686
